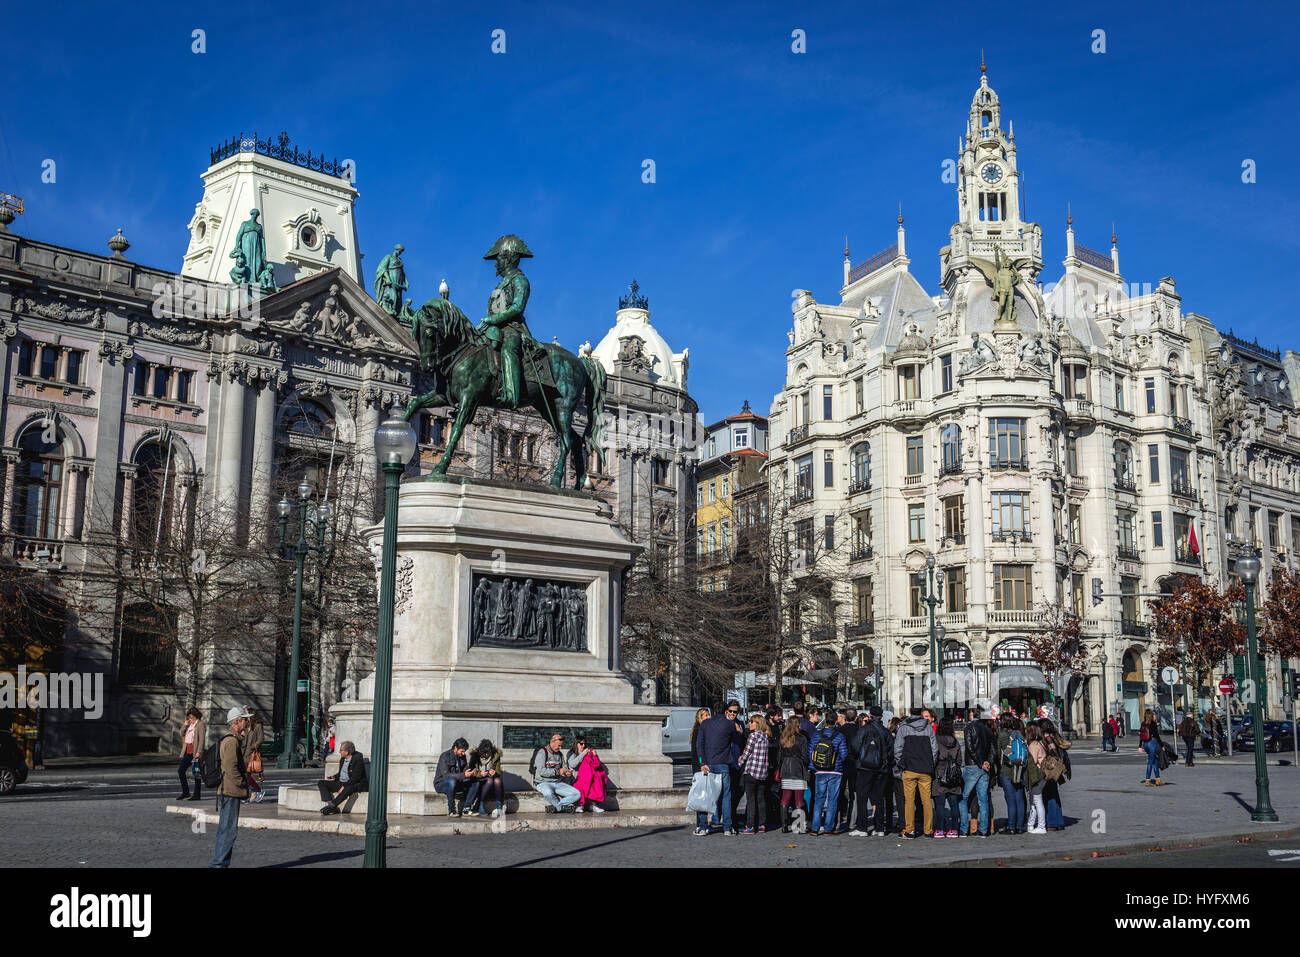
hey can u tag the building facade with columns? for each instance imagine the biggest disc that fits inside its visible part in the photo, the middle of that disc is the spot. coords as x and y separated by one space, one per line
1027 438
134 398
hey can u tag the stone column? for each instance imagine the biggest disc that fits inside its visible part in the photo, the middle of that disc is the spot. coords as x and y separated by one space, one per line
977 592
127 471
230 438
11 457
103 507
1047 543
263 446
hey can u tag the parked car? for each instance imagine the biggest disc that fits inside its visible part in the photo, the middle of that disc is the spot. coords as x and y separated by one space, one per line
677 730
13 769
1278 736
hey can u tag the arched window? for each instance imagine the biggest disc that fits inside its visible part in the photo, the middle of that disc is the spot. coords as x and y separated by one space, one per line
38 485
153 494
950 441
860 467
309 450
309 419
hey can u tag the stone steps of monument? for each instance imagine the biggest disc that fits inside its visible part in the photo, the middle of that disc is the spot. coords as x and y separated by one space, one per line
431 803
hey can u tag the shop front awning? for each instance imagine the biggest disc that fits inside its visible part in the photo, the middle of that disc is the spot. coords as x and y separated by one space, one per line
821 675
768 680
1019 676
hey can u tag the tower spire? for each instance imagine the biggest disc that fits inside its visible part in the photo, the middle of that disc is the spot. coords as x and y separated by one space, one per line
1069 219
983 68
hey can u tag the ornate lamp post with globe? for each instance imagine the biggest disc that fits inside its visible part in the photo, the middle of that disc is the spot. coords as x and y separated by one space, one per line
394 446
1248 571
931 596
319 518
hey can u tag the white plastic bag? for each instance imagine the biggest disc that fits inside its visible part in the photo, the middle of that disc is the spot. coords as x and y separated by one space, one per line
705 791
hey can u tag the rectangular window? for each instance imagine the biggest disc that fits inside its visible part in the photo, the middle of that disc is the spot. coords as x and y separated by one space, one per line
1153 456
1012 587
907 383
955 584
945 373
1126 526
742 438
26 357
184 386
725 487
1128 602
1173 398
699 542
50 363
1071 454
1295 533
861 601
858 399
1076 594
1074 381
916 523
803 538
861 524
803 483
724 536
954 518
1274 532
1121 386
713 538
1007 443
74 367
699 496
828 469
713 492
805 408
827 406
1151 396
1076 524
1180 476
762 510
830 533
1010 515
915 455
914 594
160 377
1157 530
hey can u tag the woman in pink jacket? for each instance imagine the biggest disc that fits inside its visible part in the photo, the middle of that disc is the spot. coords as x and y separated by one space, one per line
589 776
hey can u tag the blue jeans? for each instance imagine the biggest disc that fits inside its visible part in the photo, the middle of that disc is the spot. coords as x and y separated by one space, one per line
227 830
1052 797
1015 804
1111 742
977 780
723 771
1153 763
560 795
949 816
826 801
451 787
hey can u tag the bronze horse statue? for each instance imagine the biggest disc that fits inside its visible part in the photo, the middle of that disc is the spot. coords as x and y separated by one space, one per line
465 371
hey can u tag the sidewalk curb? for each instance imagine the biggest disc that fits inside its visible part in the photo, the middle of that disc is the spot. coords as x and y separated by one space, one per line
1085 854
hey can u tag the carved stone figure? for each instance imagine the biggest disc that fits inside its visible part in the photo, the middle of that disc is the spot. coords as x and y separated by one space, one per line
981 352
251 244
1033 355
239 274
266 279
390 281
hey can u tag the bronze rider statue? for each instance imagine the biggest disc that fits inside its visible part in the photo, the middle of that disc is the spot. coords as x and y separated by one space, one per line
504 325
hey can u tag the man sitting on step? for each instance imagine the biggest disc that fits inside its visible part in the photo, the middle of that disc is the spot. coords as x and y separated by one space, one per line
351 778
552 777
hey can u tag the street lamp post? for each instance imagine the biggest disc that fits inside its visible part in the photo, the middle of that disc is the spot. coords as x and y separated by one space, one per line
1248 572
394 445
933 596
1182 670
319 518
1105 692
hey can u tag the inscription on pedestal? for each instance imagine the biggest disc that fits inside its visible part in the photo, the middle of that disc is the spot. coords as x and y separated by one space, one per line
511 611
527 738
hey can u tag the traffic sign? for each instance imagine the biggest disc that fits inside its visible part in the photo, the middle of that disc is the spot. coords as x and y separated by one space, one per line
1169 675
1227 686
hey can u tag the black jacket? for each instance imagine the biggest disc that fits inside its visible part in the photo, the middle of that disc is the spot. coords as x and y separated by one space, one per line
853 741
980 745
356 770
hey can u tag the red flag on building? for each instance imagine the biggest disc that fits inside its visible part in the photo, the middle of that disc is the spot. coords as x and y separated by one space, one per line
1191 539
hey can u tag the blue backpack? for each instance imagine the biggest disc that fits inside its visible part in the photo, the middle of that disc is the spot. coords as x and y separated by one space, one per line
1017 751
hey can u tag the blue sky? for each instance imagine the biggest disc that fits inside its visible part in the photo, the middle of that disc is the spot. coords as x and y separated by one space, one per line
764 158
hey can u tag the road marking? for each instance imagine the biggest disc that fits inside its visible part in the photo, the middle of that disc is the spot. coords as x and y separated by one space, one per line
1292 852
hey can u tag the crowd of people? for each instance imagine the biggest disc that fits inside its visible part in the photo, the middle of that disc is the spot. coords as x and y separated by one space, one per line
859 774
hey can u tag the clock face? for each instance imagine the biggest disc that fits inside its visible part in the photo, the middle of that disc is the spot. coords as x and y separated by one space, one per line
991 172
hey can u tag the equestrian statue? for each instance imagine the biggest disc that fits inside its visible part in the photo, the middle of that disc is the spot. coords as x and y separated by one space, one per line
499 365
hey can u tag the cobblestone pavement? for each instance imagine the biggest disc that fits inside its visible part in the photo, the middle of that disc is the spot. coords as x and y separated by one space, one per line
1108 811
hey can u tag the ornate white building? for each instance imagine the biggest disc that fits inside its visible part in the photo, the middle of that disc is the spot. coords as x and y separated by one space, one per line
1087 429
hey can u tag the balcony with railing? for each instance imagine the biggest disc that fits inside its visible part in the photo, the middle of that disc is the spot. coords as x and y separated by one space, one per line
1015 616
1077 481
913 480
1129 553
859 485
1079 410
31 550
954 619
915 623
1182 487
1183 555
1135 628
796 435
819 633
1125 483
860 553
1000 463
950 468
802 493
911 409
1012 535
1183 426
860 628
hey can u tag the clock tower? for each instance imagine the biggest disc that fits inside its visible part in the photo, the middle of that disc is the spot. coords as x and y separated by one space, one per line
988 192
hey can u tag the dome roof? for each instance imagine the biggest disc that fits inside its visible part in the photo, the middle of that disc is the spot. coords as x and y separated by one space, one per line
666 367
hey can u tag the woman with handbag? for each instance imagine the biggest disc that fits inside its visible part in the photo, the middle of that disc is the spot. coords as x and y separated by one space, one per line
947 782
701 817
1035 779
252 747
793 768
1012 775
1060 748
1149 736
192 733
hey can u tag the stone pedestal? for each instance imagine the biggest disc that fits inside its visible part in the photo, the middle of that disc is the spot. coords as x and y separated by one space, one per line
455 677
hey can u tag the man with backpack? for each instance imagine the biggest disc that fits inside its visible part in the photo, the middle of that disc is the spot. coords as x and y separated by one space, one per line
550 769
915 751
980 751
826 754
847 722
873 776
222 767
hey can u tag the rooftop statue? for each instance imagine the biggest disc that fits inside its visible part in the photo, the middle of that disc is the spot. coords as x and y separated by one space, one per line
250 242
390 281
498 364
1004 276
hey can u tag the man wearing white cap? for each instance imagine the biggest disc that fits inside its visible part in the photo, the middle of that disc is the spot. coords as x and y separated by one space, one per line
234 786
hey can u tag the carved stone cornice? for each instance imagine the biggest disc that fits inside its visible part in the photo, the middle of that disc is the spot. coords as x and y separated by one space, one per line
171 334
115 349
60 312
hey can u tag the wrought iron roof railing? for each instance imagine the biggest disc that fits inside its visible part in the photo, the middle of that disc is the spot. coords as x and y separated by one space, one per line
1094 258
280 149
867 267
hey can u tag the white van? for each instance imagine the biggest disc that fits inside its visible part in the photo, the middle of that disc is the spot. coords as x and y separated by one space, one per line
677 731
